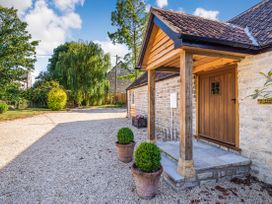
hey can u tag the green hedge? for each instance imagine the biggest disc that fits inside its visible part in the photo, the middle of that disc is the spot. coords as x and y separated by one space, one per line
148 157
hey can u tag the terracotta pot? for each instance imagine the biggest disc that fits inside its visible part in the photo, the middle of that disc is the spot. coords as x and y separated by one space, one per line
147 184
125 152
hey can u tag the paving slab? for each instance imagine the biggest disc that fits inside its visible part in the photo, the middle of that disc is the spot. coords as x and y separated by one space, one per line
205 155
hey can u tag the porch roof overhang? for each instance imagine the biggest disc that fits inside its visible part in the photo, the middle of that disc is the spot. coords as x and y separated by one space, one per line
193 43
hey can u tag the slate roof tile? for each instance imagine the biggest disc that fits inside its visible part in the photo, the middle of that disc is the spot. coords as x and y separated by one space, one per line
142 80
258 19
191 25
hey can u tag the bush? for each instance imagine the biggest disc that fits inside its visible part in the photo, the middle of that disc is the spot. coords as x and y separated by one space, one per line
22 104
148 157
3 107
125 136
57 99
38 94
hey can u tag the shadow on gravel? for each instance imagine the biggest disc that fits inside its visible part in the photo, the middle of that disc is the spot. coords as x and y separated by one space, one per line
62 165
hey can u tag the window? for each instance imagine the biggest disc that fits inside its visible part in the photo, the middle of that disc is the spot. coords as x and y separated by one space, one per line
132 97
215 88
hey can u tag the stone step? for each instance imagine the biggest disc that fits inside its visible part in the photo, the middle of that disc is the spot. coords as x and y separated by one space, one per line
169 167
168 150
212 165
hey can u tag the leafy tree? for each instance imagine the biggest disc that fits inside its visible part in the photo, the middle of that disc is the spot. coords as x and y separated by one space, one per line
44 76
17 51
130 19
81 68
39 92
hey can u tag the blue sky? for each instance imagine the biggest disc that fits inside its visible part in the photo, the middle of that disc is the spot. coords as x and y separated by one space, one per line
55 21
96 14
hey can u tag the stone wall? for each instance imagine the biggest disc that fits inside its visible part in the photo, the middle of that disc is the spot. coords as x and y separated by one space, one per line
167 127
255 119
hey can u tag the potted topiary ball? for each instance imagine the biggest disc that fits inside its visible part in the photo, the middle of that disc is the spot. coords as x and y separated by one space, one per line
147 170
125 145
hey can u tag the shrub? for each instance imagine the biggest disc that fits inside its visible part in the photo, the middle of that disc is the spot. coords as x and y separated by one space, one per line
3 107
148 157
57 99
22 104
125 136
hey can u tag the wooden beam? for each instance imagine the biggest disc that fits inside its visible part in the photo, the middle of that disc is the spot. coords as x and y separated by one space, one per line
185 163
151 106
215 53
168 69
213 65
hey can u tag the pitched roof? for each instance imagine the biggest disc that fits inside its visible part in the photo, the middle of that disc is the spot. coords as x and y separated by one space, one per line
258 20
142 80
204 29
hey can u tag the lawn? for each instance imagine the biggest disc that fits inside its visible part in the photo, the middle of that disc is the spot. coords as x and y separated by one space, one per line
16 114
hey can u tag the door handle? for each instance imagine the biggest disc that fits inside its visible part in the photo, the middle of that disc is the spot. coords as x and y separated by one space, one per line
234 100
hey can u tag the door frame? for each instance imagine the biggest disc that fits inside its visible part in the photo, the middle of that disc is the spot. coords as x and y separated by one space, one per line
237 122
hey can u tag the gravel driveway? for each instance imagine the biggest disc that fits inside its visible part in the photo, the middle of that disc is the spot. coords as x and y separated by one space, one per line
69 157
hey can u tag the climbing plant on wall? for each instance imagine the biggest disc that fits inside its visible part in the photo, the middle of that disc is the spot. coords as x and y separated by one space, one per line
264 92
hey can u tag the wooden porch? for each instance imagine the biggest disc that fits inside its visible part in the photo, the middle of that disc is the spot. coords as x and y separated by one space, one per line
188 62
166 49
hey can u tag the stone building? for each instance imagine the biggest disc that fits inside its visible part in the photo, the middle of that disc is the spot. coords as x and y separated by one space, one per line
121 84
208 69
118 86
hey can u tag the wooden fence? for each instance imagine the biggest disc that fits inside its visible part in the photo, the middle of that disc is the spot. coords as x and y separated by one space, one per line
117 98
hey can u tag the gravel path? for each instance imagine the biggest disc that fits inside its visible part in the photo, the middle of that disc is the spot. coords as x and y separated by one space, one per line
70 157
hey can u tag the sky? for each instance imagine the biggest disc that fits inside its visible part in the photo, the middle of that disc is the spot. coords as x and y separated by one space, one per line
54 22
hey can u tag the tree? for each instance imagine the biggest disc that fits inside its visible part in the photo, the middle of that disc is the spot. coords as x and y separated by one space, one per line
39 92
17 51
81 69
130 19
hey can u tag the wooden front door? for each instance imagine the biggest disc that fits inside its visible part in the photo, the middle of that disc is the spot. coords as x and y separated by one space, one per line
217 106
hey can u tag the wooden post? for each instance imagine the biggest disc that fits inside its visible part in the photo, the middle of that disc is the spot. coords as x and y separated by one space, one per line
185 163
151 106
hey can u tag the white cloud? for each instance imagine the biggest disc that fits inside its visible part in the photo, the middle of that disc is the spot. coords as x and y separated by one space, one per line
206 13
48 27
67 5
161 3
21 5
147 7
114 49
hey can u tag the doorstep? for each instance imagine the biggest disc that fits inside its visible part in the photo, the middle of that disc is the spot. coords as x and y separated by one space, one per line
212 164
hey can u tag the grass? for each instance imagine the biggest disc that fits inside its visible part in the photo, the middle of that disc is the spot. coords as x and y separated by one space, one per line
29 112
16 114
